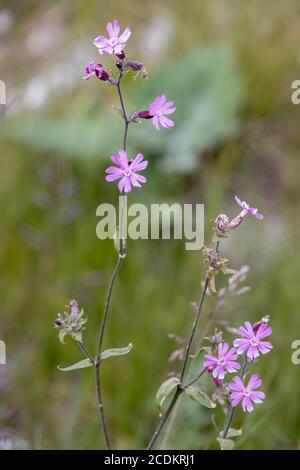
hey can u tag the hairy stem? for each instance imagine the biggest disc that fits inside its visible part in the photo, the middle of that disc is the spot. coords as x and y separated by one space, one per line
85 351
105 316
164 419
181 386
193 331
98 360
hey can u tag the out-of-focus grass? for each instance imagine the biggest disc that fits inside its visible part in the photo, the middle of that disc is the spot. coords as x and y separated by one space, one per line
49 252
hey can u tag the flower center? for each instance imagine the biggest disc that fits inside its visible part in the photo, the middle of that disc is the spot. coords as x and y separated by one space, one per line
222 361
113 41
128 172
253 342
247 392
158 113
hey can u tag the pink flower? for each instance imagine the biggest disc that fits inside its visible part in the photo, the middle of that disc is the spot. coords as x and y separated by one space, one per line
127 171
248 210
252 342
115 44
246 394
95 69
157 110
225 362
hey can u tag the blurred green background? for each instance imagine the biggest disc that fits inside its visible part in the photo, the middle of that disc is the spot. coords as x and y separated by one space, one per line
228 66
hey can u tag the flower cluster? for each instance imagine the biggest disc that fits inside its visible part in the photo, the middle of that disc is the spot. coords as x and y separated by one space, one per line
72 323
223 360
127 171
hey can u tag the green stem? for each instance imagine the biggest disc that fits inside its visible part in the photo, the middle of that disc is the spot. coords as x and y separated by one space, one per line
85 351
110 289
181 386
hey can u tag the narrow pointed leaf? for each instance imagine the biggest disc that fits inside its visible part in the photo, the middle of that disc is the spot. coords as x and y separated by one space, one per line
116 352
79 365
199 396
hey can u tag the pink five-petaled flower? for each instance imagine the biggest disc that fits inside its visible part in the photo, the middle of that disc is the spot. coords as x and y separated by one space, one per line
225 362
157 111
246 394
252 342
127 171
115 44
248 210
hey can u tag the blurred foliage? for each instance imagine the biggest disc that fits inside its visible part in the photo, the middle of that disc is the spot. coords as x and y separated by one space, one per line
228 66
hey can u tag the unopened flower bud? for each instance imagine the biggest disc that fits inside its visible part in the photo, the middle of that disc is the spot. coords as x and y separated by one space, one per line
144 115
234 223
137 67
221 222
218 382
102 75
263 321
119 64
121 56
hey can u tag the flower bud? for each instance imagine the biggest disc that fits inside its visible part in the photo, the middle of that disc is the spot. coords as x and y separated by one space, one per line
102 75
137 67
218 382
221 222
121 56
263 321
119 64
144 115
235 222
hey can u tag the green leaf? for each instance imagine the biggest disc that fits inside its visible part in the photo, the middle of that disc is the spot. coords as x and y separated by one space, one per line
165 390
232 433
79 365
116 352
225 444
199 396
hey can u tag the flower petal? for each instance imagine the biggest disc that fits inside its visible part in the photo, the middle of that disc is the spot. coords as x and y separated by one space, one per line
166 122
125 36
113 29
254 382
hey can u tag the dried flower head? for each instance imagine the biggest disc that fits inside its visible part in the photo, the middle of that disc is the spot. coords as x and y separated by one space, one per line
221 225
72 323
